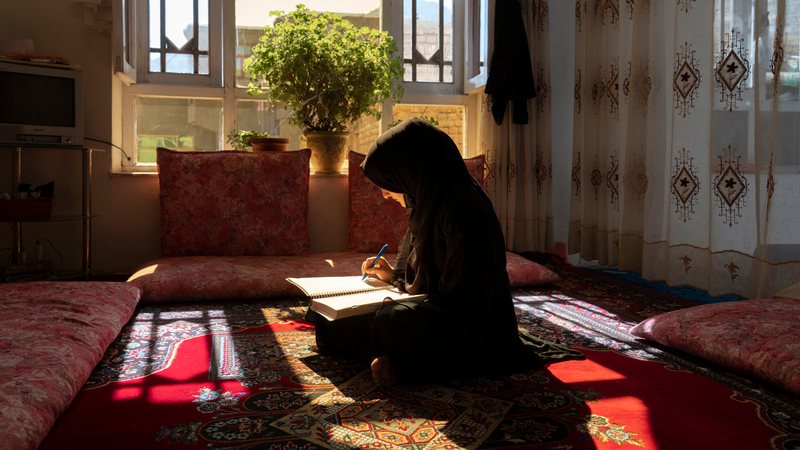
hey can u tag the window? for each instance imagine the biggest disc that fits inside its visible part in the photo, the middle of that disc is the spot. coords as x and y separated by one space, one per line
428 41
179 36
181 61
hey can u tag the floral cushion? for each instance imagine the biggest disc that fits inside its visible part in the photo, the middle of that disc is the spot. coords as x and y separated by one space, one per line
52 335
524 272
756 337
189 278
374 220
792 291
233 203
237 278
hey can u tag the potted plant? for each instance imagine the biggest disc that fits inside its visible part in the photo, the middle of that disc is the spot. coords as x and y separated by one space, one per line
257 140
328 73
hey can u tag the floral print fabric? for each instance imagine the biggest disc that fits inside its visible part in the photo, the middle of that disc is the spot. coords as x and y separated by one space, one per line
237 278
231 203
52 334
792 291
756 337
250 277
374 220
244 237
524 272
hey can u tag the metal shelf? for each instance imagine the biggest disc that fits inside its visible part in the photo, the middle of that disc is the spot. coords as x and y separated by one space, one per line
86 202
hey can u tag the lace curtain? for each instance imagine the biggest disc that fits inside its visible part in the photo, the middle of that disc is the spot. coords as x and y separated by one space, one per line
685 164
519 155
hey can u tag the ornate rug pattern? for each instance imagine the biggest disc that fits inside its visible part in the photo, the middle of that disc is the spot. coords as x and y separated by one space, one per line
361 415
247 376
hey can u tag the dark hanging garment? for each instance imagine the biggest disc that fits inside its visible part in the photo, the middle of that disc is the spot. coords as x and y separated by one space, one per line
510 73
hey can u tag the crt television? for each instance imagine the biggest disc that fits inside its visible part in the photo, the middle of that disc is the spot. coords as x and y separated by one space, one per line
40 104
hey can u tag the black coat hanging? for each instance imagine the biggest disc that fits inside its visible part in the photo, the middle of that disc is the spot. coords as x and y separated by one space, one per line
510 73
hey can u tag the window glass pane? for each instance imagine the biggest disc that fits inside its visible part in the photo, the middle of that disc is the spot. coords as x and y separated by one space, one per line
176 123
178 36
253 15
154 8
259 115
203 23
449 118
428 40
179 64
155 62
203 64
179 20
484 25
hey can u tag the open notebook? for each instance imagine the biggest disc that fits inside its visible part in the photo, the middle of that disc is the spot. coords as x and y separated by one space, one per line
338 297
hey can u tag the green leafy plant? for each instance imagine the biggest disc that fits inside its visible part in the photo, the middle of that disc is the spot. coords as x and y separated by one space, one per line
240 139
327 71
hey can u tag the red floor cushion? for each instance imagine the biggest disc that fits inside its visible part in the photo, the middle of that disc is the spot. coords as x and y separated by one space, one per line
52 335
188 278
755 337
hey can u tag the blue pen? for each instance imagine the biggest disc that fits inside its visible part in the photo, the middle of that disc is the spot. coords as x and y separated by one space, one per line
377 257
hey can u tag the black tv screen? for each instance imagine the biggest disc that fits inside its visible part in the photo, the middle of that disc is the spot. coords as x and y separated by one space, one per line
37 100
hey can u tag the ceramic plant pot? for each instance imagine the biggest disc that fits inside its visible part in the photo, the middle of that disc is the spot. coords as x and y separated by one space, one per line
328 150
270 144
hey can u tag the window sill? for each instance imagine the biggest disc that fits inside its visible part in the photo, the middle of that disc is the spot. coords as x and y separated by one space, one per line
153 172
115 173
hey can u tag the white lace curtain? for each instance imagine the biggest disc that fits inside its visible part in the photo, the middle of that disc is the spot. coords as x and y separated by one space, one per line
518 156
686 155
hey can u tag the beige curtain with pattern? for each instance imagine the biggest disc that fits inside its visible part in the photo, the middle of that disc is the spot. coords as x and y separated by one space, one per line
519 173
686 154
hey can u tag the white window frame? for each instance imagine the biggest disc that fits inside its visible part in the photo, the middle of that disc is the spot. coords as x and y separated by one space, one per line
475 75
393 18
131 65
125 32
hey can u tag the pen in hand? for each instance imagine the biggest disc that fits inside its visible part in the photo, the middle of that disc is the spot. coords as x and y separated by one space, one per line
377 257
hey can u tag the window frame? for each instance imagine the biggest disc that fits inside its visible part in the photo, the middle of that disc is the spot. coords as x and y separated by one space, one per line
131 65
125 32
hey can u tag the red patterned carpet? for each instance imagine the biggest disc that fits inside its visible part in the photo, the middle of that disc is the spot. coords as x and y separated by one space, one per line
246 376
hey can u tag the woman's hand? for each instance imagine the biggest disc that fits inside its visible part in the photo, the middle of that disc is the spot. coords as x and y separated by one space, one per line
382 270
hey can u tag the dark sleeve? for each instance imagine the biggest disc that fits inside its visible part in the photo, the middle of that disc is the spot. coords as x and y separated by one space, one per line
400 263
471 254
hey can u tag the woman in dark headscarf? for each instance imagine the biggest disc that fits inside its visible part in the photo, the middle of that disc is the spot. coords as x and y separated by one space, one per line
454 252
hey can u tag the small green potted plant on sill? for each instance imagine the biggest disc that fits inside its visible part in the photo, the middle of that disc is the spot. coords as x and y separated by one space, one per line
328 73
243 140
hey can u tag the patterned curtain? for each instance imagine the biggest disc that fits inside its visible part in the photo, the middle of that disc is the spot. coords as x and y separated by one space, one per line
686 131
518 155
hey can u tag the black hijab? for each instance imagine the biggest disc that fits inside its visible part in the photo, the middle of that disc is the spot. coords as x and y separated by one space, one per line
423 163
416 159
